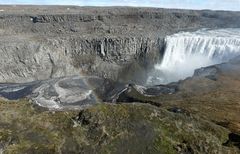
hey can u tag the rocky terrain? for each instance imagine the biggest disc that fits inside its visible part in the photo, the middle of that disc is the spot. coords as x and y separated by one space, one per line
73 81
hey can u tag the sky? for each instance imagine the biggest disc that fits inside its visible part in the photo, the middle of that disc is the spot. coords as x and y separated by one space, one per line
185 4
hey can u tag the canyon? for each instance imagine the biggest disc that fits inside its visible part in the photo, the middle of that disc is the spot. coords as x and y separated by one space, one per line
117 43
108 79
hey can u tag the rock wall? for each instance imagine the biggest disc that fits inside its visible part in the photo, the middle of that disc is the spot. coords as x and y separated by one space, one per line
41 42
34 58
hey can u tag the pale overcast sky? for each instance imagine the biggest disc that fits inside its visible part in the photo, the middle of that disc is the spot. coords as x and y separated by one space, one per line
187 4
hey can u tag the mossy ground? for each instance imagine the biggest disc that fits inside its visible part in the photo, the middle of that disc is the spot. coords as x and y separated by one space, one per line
216 101
106 128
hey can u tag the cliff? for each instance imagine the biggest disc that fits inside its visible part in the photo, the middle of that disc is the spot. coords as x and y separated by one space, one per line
42 42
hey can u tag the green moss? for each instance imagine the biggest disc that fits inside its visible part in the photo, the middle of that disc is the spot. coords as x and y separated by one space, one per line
5 135
105 128
28 147
164 146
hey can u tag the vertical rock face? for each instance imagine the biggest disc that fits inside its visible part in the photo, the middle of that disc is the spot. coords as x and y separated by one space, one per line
119 43
115 57
32 58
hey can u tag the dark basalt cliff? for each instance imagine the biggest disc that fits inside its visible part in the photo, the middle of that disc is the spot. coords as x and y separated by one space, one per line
42 42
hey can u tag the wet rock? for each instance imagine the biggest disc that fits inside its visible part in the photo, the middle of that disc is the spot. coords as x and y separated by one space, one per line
17 91
81 91
59 93
136 93
209 72
230 68
161 89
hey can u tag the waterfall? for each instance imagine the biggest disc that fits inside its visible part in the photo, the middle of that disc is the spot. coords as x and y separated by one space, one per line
187 51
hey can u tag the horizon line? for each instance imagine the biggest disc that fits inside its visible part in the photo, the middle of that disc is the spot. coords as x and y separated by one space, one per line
128 6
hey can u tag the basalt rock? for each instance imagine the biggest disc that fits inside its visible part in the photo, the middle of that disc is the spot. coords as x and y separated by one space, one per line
43 42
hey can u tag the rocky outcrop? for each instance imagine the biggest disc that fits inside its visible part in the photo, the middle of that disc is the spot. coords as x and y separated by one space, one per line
76 92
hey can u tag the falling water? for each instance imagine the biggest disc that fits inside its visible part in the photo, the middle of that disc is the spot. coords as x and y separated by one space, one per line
187 51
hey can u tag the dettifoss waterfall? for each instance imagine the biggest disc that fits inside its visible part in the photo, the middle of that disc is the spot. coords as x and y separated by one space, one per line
187 51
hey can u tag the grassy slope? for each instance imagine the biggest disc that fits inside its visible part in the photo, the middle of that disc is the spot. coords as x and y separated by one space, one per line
105 128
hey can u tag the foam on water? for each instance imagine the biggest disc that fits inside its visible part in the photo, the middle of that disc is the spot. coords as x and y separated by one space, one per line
187 51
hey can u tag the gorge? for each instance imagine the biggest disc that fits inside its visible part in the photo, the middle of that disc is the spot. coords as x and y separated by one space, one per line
119 80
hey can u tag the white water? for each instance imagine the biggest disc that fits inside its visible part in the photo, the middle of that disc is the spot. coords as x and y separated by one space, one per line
187 51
